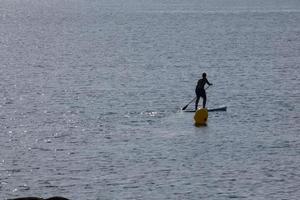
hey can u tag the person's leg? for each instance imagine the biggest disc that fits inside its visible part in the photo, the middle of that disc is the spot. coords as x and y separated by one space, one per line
204 100
197 101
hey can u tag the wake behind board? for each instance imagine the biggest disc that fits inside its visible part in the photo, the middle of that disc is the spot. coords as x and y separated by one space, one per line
200 117
223 108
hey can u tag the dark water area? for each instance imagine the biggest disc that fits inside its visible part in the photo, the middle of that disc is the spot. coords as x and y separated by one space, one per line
91 95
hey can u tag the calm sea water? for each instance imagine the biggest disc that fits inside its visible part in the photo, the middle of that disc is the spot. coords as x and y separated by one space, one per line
91 91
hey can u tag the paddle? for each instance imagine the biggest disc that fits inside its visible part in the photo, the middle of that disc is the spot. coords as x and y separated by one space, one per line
189 103
192 100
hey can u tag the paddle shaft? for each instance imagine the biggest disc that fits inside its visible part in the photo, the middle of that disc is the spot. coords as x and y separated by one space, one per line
189 103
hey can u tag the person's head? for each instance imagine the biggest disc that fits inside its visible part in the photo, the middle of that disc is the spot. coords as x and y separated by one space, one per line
204 75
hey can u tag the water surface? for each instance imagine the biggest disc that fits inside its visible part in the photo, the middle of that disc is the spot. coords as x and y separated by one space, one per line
91 93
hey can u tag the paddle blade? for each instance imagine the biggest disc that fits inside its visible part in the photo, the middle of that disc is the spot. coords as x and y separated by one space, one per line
184 107
189 103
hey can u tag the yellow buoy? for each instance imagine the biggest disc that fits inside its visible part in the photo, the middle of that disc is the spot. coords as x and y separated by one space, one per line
200 117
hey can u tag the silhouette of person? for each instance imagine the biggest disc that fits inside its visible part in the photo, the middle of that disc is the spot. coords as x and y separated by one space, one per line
200 91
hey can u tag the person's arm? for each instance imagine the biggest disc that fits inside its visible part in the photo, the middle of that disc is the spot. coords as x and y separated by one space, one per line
208 82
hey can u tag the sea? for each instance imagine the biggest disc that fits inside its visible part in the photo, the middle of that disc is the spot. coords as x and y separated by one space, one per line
91 93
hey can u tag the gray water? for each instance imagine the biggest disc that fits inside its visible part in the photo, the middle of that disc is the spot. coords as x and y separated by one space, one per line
91 91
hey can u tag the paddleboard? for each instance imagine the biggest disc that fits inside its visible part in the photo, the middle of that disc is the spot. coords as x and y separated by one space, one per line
222 108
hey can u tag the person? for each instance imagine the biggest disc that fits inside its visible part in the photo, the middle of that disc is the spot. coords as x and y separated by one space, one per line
200 91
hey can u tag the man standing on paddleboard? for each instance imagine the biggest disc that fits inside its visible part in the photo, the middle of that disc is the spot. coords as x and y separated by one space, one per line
200 91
